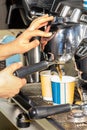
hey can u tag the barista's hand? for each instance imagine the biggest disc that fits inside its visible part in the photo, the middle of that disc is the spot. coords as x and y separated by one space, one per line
23 43
40 22
45 40
10 85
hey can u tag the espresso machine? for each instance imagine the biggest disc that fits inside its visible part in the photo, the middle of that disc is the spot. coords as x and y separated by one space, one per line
69 40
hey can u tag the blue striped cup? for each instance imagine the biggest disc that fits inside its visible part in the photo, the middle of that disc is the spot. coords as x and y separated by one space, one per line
85 4
62 91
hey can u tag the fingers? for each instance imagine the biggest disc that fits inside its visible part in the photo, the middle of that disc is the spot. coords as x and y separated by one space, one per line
33 44
10 94
23 41
13 67
36 33
38 18
42 25
23 81
39 22
48 29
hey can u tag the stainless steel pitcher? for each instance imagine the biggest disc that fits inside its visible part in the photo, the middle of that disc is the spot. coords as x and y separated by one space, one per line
33 56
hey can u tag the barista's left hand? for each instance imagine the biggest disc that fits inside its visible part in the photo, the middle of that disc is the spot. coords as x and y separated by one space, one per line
10 85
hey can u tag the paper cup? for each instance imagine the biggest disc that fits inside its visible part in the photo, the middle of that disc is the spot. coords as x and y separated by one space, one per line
63 91
46 85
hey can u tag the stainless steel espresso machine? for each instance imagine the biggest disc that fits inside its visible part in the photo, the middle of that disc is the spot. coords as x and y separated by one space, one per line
69 41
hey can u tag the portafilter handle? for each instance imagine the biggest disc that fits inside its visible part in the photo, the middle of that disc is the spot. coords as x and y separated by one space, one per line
39 112
26 70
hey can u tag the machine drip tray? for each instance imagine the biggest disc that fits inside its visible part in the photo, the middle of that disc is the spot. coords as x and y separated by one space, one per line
56 122
60 121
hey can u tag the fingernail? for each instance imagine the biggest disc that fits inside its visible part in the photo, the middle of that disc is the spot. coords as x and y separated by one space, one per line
50 33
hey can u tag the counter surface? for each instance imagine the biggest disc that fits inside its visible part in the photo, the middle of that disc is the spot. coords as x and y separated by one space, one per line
12 32
10 111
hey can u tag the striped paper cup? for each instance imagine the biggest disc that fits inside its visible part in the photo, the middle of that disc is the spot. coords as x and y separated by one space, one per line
63 91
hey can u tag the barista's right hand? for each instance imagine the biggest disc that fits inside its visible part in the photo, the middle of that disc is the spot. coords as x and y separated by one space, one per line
40 22
26 41
10 85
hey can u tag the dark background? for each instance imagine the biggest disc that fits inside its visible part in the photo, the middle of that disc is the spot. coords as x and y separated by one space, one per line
15 20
